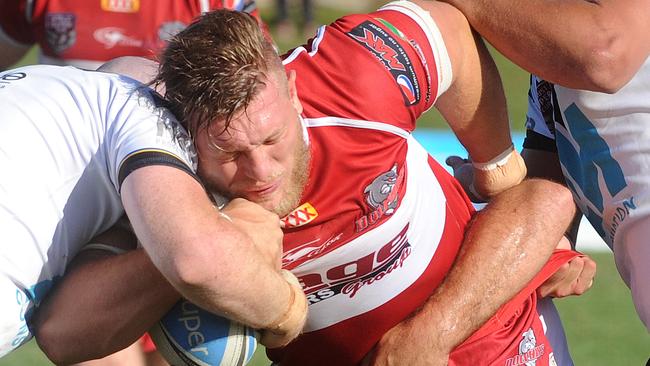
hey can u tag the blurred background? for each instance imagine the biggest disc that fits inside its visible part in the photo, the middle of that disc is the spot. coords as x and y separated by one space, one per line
602 326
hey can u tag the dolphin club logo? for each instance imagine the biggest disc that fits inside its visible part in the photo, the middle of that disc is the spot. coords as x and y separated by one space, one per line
382 197
529 351
392 55
349 278
60 31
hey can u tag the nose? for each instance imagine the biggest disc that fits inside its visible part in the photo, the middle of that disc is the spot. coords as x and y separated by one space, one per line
257 164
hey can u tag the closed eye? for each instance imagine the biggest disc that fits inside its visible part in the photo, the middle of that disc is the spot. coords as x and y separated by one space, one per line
275 138
226 157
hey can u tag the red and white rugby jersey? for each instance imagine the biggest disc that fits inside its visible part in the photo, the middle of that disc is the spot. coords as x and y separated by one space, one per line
380 221
87 33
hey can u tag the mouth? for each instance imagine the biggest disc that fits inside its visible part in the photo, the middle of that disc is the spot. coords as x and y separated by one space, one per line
262 191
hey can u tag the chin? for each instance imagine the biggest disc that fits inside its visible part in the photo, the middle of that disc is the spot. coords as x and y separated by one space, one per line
269 204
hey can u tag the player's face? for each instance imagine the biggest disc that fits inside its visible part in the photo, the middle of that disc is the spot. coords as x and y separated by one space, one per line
262 156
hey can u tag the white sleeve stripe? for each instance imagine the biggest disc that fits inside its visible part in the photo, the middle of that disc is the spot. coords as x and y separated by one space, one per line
428 25
205 6
104 247
355 123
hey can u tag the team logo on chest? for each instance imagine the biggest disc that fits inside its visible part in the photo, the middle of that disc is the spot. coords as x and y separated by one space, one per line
60 31
382 197
304 214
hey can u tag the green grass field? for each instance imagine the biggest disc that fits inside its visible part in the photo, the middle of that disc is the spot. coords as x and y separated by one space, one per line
601 326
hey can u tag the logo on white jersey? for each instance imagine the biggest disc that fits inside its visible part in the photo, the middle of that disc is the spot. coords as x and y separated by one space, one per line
529 351
349 278
308 250
7 79
60 31
113 36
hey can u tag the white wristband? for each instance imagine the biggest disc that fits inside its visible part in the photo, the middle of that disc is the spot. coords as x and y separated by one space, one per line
498 161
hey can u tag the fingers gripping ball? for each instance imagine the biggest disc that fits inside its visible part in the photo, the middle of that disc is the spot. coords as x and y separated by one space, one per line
503 172
189 335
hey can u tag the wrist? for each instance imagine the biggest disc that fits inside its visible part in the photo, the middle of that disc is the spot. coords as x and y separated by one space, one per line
289 324
504 171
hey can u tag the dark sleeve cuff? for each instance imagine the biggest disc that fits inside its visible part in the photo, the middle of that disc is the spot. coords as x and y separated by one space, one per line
537 141
148 158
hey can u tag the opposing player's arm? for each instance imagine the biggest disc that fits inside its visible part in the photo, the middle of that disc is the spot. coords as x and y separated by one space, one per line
520 220
474 105
208 259
105 301
575 277
582 44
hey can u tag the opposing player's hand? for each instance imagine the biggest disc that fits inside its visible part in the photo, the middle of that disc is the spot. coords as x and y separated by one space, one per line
464 173
573 278
262 226
407 344
290 324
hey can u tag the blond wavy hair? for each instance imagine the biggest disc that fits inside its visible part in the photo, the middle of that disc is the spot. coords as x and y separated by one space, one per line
215 67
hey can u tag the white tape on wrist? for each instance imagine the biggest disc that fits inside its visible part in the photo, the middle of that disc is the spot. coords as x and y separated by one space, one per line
498 161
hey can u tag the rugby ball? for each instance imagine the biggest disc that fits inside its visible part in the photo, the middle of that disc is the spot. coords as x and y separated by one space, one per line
189 335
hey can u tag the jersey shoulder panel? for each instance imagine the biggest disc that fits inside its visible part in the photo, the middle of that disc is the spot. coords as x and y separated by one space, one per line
543 108
375 67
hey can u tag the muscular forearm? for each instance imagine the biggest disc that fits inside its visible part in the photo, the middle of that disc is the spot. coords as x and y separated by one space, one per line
593 45
506 245
546 165
85 319
209 260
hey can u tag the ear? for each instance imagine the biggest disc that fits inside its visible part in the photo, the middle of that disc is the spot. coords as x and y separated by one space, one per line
293 91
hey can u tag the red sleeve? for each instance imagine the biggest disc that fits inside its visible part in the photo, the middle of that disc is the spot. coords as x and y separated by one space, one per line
14 22
374 67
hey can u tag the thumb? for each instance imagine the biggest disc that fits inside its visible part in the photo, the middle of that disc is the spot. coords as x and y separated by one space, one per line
455 161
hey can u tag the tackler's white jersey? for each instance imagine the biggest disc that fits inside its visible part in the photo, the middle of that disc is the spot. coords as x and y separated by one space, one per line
603 142
68 138
604 147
